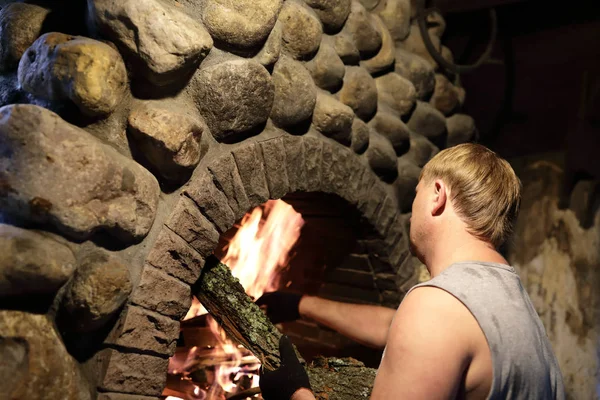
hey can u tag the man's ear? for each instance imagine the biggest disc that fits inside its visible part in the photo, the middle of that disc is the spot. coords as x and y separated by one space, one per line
439 197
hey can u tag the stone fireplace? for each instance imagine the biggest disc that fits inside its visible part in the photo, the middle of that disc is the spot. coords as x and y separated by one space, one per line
132 140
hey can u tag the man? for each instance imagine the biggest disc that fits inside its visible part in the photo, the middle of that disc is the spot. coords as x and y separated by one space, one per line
471 331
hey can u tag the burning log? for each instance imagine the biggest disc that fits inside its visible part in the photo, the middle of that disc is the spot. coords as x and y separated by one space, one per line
225 299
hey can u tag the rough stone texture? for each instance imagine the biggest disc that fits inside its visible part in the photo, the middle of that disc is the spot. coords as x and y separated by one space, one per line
250 165
273 152
363 30
32 263
436 25
295 93
168 139
359 92
327 68
360 136
35 364
132 373
336 168
414 44
227 179
333 13
234 97
20 25
384 59
393 129
187 221
302 30
145 330
93 186
210 200
174 256
162 293
461 129
427 121
405 184
313 151
122 396
417 70
269 54
98 289
396 17
87 72
396 92
333 119
446 97
381 155
345 48
421 150
240 23
162 42
294 162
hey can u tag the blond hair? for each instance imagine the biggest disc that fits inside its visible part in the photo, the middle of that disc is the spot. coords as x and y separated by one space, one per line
484 189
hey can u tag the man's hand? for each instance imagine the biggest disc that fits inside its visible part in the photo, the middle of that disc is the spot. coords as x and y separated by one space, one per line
281 306
291 376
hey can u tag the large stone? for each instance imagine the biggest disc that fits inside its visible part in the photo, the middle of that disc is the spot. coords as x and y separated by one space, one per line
346 49
211 201
240 23
360 136
99 288
93 186
427 121
273 151
234 97
446 97
384 59
405 184
327 68
187 221
271 50
87 72
163 42
35 364
363 30
414 43
333 118
295 164
421 150
381 156
313 152
417 70
169 139
248 159
227 178
461 129
295 93
396 92
396 17
20 25
359 92
333 13
129 372
393 129
32 263
302 30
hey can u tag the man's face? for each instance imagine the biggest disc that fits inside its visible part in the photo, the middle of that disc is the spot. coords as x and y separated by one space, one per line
417 221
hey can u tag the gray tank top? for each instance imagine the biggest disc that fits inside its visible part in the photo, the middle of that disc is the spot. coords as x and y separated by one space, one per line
524 365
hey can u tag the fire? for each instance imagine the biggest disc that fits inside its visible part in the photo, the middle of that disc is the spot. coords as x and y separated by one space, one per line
256 255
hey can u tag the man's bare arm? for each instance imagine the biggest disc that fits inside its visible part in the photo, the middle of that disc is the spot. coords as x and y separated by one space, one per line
365 324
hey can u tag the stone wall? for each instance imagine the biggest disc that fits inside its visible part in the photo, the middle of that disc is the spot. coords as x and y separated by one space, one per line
134 133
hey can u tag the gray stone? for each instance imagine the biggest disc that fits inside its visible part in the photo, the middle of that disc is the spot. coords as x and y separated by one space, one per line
359 92
35 364
313 151
369 4
363 30
405 184
333 119
381 155
436 25
367 180
240 23
302 30
87 72
175 256
141 329
346 49
417 70
227 179
93 186
370 208
162 293
187 221
163 42
327 68
427 121
273 152
271 50
446 97
414 44
32 263
393 129
384 59
252 172
98 289
210 200
396 17
234 97
360 136
421 150
20 25
132 373
333 13
461 129
335 167
169 139
295 93
396 92
294 162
